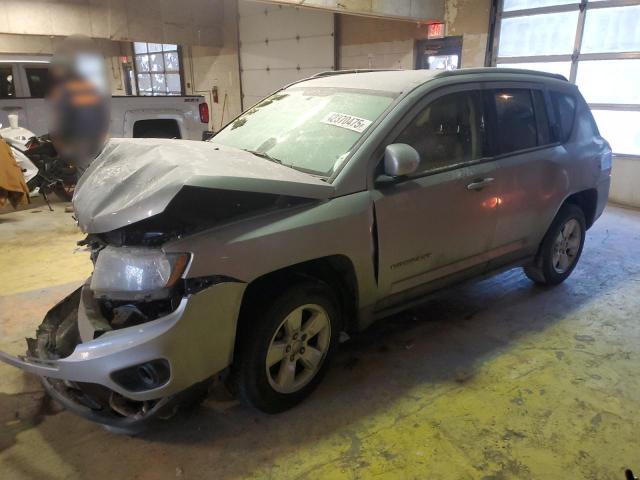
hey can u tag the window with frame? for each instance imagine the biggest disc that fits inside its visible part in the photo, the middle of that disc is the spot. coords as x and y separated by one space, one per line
565 110
7 85
449 131
157 68
594 44
38 80
515 120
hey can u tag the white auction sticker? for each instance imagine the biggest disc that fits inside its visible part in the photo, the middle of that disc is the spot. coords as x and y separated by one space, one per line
347 121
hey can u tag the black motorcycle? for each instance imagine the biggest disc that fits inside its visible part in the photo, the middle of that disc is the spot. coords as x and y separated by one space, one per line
54 175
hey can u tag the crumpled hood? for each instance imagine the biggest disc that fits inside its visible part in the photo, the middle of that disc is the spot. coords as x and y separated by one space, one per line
134 179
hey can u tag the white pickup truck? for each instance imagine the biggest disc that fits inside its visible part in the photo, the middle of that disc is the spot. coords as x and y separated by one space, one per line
23 84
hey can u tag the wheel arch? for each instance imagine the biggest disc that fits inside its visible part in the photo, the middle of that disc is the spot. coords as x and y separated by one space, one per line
337 271
587 200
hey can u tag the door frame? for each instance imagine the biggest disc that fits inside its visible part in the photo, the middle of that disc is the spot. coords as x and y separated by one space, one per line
456 270
443 46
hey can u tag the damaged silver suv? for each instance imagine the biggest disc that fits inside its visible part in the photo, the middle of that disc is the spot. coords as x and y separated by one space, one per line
338 200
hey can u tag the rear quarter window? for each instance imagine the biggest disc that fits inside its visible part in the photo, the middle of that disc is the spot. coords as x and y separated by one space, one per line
565 110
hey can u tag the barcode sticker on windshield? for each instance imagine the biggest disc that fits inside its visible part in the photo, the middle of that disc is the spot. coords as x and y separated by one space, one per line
347 121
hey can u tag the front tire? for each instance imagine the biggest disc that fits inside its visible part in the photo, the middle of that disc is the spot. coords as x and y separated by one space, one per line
561 247
286 347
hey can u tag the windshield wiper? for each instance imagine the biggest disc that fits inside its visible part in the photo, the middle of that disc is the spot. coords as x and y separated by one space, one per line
264 155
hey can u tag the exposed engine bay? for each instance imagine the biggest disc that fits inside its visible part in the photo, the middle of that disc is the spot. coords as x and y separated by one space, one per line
146 334
177 220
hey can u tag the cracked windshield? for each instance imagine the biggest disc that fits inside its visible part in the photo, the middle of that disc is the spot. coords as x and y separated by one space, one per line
312 130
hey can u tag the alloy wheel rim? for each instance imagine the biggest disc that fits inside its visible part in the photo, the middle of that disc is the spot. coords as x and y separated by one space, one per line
566 246
298 348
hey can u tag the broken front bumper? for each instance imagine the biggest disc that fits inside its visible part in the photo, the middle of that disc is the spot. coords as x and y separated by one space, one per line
187 346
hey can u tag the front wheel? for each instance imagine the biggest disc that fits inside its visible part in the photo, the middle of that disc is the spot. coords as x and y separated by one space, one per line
560 249
286 347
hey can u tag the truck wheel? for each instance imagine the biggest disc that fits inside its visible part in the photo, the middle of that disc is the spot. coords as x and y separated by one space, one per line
286 347
560 249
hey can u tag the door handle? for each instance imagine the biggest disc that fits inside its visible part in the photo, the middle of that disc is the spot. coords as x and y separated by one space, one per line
480 184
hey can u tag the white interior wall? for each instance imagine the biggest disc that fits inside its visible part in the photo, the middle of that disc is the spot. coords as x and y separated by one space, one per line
404 9
46 46
469 18
207 68
625 179
185 22
367 42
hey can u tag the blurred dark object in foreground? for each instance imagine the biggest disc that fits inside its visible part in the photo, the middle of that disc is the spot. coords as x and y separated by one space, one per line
628 475
79 99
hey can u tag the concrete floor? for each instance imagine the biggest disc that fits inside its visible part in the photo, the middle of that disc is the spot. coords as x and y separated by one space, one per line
494 380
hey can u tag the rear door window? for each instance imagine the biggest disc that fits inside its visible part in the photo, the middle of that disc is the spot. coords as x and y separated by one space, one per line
38 80
565 110
516 126
7 84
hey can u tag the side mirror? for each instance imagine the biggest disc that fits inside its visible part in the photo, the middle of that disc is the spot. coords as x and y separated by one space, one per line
400 160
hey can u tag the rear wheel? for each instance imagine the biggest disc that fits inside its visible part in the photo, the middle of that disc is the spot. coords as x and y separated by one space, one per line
560 249
286 347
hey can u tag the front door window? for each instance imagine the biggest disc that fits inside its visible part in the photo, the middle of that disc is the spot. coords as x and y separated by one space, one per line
450 131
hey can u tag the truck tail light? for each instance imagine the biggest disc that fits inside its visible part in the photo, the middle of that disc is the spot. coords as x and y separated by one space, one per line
204 112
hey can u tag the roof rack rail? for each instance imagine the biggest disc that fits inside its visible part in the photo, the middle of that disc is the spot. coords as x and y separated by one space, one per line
331 73
470 71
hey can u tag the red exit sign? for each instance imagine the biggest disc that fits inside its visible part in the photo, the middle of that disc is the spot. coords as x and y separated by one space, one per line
435 30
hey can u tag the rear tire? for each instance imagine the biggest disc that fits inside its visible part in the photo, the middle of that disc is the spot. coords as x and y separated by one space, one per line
286 347
560 249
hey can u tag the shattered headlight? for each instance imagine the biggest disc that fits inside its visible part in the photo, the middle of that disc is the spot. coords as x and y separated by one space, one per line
134 273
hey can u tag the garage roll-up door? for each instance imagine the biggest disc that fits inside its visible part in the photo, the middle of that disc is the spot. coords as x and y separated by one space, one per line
279 45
